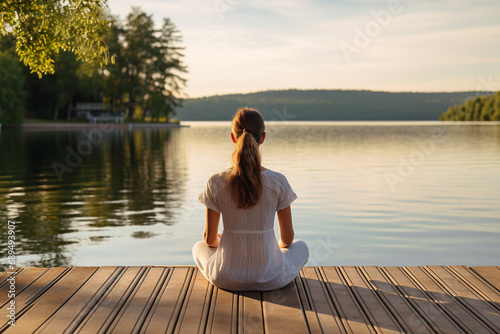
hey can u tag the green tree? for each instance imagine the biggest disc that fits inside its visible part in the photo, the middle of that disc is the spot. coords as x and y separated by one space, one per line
166 81
147 72
151 61
66 68
42 28
112 77
12 93
8 45
89 83
480 108
495 107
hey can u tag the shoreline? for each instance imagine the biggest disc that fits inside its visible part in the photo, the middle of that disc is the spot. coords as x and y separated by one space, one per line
70 126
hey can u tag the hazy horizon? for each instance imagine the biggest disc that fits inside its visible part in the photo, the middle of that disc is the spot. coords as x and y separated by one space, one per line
335 89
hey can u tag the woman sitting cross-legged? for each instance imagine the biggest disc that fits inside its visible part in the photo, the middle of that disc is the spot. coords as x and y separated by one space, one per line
247 256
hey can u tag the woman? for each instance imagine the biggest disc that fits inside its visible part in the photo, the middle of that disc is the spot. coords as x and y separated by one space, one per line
247 256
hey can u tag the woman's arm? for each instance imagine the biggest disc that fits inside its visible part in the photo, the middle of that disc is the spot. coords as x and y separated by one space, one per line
211 228
286 228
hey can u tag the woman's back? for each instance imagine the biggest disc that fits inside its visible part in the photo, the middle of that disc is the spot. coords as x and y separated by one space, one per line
276 195
248 256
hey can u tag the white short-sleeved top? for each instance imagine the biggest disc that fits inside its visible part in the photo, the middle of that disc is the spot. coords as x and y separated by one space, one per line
248 256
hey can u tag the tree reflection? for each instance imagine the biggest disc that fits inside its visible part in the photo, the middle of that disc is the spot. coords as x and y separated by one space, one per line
129 178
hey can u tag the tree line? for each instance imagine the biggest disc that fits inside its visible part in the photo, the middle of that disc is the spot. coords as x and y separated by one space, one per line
479 108
143 77
328 105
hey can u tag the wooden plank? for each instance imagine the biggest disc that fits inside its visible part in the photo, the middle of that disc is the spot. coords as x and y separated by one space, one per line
310 315
489 274
350 312
69 317
439 299
165 312
23 279
135 310
421 302
454 310
486 316
311 318
478 283
34 289
251 313
48 303
194 314
304 301
6 274
225 316
406 316
103 314
378 314
322 305
211 311
282 312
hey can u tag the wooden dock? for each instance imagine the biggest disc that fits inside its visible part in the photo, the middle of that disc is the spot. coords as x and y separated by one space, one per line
178 299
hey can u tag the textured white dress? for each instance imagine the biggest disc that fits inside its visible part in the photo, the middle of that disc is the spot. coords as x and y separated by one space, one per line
248 256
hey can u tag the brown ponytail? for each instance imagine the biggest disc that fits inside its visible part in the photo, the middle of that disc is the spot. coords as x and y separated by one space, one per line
245 180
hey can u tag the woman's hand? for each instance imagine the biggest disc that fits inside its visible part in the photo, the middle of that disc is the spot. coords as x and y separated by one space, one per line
282 244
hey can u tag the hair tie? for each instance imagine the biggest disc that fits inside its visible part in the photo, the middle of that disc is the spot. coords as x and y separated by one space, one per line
245 130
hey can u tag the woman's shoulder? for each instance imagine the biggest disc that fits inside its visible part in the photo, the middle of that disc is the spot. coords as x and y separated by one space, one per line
273 173
274 176
219 176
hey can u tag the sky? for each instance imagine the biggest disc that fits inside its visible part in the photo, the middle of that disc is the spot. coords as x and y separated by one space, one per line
241 46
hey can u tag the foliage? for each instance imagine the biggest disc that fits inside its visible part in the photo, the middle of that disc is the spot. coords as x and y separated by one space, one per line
12 93
167 84
150 64
295 105
66 68
113 85
145 76
479 108
42 28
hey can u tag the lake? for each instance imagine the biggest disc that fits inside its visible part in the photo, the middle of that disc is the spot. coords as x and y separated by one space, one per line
369 193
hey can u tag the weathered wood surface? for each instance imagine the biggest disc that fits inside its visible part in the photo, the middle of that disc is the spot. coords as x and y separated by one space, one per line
178 299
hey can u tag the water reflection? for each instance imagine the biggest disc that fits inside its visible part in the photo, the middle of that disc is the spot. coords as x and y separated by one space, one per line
129 178
402 193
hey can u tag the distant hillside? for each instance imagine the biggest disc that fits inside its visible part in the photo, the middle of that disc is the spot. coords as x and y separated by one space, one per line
325 105
479 108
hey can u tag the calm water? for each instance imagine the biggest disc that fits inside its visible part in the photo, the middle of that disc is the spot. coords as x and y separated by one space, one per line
368 193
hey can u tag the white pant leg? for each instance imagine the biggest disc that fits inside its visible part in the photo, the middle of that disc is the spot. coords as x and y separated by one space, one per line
201 254
296 254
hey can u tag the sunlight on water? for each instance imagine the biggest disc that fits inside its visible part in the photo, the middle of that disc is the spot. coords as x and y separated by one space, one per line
369 193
